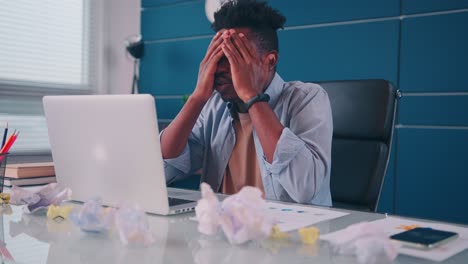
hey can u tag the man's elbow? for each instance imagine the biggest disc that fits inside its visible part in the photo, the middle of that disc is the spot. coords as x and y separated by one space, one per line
304 197
307 190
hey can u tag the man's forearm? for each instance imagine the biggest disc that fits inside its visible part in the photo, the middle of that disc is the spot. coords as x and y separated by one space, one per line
267 127
176 135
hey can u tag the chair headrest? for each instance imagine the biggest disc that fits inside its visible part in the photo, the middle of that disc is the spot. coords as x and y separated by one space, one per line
362 109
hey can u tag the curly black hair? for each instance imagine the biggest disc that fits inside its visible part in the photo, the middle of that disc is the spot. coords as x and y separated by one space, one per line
258 16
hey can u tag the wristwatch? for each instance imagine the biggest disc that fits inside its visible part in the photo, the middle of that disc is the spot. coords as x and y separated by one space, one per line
258 98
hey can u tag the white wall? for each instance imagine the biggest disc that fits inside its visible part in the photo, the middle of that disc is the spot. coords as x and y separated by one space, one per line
121 18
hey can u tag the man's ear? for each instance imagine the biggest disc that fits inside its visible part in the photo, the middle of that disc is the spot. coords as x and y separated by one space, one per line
272 59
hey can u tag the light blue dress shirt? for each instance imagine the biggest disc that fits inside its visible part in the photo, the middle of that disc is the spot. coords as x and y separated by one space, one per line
300 171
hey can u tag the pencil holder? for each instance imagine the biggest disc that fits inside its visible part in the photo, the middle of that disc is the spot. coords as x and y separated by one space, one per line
3 163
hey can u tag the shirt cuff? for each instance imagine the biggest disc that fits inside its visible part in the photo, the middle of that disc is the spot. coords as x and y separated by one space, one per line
182 162
288 146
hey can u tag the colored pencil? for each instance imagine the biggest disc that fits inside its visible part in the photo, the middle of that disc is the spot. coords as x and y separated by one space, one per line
9 142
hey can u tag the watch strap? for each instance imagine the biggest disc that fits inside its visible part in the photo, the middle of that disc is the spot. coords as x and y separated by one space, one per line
258 98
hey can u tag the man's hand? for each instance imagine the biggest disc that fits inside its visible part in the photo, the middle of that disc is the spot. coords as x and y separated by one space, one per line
250 74
176 135
207 69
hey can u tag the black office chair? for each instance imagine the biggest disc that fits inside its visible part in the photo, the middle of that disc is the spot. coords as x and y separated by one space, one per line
363 121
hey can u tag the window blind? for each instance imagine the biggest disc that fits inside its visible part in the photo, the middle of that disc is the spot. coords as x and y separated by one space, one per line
46 47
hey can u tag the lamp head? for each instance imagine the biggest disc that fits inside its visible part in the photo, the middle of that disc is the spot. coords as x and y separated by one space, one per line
211 6
134 46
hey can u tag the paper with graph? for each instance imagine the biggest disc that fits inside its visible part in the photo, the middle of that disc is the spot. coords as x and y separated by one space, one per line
394 225
292 217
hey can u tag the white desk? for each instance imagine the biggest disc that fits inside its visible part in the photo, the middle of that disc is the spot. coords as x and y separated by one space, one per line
34 239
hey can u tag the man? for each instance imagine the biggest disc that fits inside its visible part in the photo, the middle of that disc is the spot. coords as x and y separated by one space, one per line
243 125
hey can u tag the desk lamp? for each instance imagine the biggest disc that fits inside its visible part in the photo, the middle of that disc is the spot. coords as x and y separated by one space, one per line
135 48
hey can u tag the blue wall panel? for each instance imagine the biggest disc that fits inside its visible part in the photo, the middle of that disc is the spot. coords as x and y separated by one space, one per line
419 54
152 3
168 108
434 53
420 6
171 68
304 12
186 19
434 110
432 175
357 51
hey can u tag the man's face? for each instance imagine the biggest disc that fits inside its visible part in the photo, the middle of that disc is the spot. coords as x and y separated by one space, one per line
223 78
223 81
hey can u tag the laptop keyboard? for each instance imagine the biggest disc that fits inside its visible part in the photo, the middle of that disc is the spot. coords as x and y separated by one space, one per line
177 201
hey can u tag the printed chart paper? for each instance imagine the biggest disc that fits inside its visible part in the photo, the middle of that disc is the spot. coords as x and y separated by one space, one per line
292 217
394 225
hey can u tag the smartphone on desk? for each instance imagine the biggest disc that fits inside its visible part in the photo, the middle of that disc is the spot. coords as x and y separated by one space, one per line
424 237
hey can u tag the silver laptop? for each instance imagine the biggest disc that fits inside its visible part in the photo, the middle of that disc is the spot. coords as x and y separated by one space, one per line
108 146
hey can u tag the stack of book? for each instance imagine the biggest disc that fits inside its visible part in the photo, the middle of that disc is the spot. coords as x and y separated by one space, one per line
29 174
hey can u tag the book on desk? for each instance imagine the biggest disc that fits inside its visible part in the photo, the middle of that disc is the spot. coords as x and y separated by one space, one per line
33 181
29 174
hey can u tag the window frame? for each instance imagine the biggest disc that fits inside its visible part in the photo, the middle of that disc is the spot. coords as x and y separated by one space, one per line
94 36
92 26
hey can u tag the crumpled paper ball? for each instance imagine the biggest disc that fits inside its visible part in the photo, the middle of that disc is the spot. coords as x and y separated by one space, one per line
59 213
20 196
133 225
309 235
92 217
242 216
52 193
5 198
276 233
208 211
368 243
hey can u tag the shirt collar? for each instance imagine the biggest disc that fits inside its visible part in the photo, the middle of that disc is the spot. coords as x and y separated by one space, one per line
232 110
274 89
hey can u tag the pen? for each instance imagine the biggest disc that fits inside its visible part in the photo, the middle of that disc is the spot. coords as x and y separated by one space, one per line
5 135
4 251
9 142
8 145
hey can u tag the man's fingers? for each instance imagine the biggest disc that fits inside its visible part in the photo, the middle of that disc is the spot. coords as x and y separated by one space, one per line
216 55
215 42
213 52
231 49
216 37
228 53
240 41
